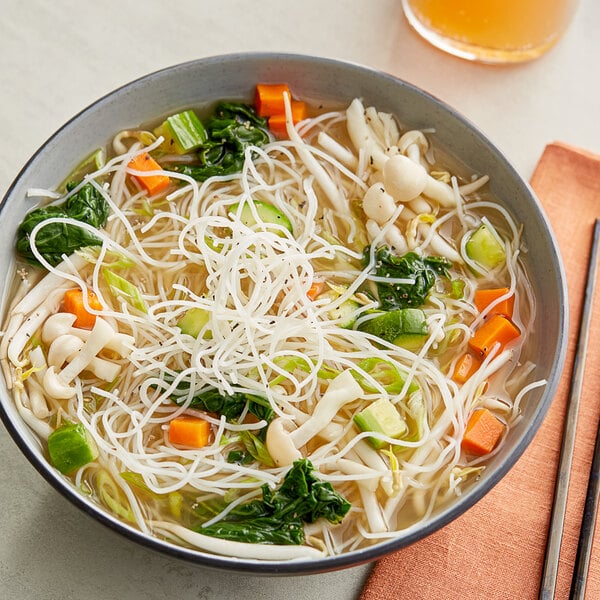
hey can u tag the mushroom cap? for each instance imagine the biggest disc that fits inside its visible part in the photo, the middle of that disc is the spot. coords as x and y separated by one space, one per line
403 178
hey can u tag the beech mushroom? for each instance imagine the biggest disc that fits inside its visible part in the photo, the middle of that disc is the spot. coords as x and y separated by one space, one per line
403 178
283 445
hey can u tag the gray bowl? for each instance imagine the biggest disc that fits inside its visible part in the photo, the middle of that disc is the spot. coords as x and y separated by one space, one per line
318 80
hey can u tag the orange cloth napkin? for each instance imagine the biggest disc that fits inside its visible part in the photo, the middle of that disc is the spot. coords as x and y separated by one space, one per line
496 549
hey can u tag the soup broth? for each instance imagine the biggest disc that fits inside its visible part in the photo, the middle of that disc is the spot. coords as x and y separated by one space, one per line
292 317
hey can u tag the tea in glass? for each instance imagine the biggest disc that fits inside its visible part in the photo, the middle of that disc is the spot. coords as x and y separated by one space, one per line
491 30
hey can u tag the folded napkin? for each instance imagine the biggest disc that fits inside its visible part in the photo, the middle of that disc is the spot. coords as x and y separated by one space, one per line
496 549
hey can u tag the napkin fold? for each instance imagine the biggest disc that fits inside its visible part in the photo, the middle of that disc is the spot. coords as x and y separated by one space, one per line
496 549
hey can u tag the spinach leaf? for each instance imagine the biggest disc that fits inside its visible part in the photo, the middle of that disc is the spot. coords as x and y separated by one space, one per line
231 406
55 239
423 270
232 128
279 516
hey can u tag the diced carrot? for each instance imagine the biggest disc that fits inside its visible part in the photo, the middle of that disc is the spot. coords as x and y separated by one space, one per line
497 328
483 298
73 303
277 123
483 432
153 184
269 98
189 431
465 366
315 289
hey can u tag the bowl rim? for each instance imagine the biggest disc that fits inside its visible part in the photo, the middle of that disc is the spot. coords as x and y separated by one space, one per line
411 534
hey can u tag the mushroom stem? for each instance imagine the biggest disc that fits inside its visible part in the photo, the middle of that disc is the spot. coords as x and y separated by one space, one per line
343 389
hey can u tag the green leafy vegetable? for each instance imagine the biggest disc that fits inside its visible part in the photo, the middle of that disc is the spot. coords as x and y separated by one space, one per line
279 516
255 448
232 128
422 270
56 239
406 327
230 406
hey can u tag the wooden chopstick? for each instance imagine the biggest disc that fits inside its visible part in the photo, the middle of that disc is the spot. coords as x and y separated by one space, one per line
557 518
590 510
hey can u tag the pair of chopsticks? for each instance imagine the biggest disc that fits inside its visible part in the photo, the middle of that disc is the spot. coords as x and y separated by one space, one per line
582 560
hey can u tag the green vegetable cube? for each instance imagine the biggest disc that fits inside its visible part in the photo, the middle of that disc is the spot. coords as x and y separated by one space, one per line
404 327
193 321
381 417
266 213
484 248
183 133
71 447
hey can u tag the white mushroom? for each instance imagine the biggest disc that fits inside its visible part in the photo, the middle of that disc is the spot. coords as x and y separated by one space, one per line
280 445
343 389
393 236
363 475
403 178
378 204
103 369
414 144
440 192
373 459
66 347
99 337
420 206
322 177
439 245
58 385
345 156
397 241
283 445
62 348
56 325
372 510
52 282
237 549
373 230
29 324
39 426
62 324
361 135
37 400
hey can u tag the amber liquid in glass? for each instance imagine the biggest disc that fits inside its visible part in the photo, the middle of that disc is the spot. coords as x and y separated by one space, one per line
491 30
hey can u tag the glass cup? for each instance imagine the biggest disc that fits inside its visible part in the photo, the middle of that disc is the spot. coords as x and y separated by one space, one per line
492 31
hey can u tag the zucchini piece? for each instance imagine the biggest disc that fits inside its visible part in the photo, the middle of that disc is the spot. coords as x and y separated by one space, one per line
381 417
345 312
193 321
71 447
267 213
484 248
404 327
183 133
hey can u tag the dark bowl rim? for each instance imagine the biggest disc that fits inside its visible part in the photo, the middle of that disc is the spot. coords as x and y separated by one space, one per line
371 553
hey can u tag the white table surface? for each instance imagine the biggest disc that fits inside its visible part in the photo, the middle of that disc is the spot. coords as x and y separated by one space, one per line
57 57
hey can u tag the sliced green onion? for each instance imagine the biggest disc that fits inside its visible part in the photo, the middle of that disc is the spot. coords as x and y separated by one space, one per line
121 288
112 497
386 373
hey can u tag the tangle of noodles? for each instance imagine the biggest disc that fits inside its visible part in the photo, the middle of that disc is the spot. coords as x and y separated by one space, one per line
190 248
